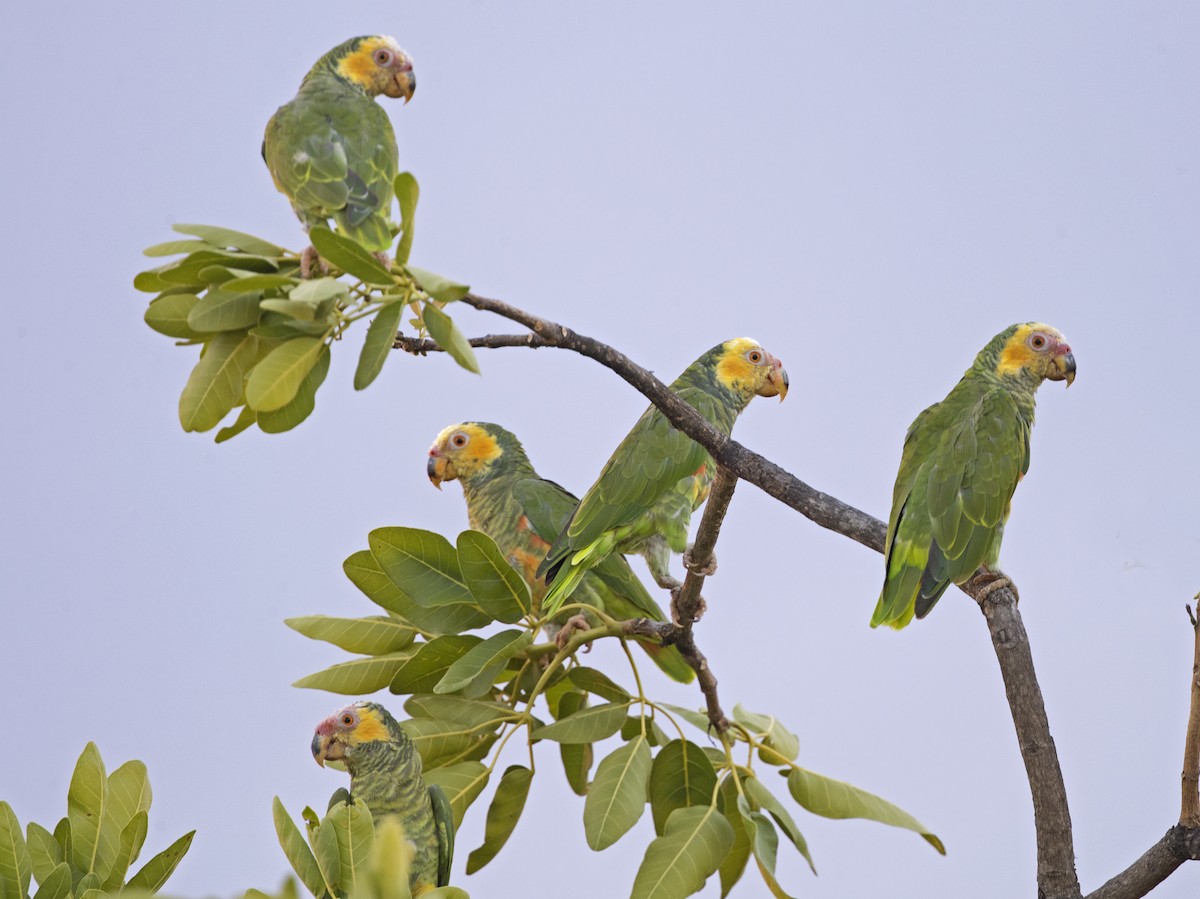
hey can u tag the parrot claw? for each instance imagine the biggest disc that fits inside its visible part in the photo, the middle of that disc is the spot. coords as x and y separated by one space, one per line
572 624
704 571
988 582
701 607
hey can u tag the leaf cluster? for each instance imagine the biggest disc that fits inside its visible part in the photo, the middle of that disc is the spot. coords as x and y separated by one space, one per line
459 639
91 851
266 334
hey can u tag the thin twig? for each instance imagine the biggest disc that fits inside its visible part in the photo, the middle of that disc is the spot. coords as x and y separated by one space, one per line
1189 811
418 347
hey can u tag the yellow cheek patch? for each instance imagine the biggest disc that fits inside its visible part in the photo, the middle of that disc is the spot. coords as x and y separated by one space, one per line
370 728
737 372
1018 355
360 66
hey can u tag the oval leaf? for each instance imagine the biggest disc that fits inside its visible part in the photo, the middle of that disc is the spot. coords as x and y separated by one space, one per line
301 405
430 661
169 315
496 585
586 725
761 797
676 864
226 238
44 853
422 564
296 849
381 334
221 311
344 253
407 192
443 330
478 667
215 385
440 288
592 681
377 635
462 783
734 863
354 833
156 871
56 884
94 835
617 797
16 868
357 677
275 379
502 816
682 776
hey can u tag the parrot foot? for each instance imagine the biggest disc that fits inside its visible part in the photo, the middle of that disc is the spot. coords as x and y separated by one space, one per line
988 582
704 571
668 583
572 624
307 258
701 606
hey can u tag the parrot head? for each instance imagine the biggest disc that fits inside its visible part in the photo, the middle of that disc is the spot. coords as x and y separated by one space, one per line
743 366
344 733
376 64
467 450
1038 350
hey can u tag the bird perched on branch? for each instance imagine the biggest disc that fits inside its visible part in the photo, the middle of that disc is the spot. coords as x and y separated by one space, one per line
962 460
332 150
385 773
523 513
645 495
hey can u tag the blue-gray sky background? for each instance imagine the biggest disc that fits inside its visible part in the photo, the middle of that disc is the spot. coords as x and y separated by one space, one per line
871 189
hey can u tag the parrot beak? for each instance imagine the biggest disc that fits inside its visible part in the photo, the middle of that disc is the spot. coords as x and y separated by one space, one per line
439 469
327 748
1063 365
404 82
776 383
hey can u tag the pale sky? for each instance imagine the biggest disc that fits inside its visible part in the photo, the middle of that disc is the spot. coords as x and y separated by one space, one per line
871 189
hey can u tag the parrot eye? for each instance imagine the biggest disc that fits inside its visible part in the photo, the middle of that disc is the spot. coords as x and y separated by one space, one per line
347 719
755 357
383 57
1038 341
459 440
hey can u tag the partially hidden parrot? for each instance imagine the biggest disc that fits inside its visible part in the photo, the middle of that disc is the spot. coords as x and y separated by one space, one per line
332 150
645 495
962 460
385 773
523 512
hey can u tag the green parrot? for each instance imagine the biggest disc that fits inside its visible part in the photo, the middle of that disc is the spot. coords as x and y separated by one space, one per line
962 460
644 498
332 150
385 773
522 512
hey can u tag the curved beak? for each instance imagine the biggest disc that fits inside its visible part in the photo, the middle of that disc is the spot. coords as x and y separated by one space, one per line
1063 365
404 82
439 469
776 383
326 748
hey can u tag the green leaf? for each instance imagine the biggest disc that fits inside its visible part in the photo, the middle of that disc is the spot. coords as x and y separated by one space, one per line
440 288
762 798
502 815
444 741
290 308
215 385
302 404
407 192
354 833
381 335
496 585
258 282
155 872
298 854
15 865
734 863
94 835
691 716
169 315
479 666
225 238
422 564
617 797
222 311
586 725
764 843
682 776
690 849
352 258
592 681
276 326
446 892
836 799
577 758
317 291
44 853
364 570
449 338
775 735
462 783
469 712
277 378
377 635
151 282
62 836
56 884
128 791
133 837
391 862
430 662
356 677
246 418
175 247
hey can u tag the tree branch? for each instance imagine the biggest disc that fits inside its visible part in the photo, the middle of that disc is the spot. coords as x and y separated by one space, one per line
1159 862
418 347
1189 810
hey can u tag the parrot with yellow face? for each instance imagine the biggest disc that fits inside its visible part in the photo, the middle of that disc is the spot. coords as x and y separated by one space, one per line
385 773
522 513
645 495
962 461
332 150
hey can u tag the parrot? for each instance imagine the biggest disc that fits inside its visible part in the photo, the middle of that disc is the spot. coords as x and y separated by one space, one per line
332 151
961 463
385 772
522 512
645 495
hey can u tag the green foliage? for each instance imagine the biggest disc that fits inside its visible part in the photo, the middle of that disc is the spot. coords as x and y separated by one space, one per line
266 334
93 848
459 639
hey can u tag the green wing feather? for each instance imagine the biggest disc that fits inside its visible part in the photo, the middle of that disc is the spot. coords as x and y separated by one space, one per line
961 463
443 820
